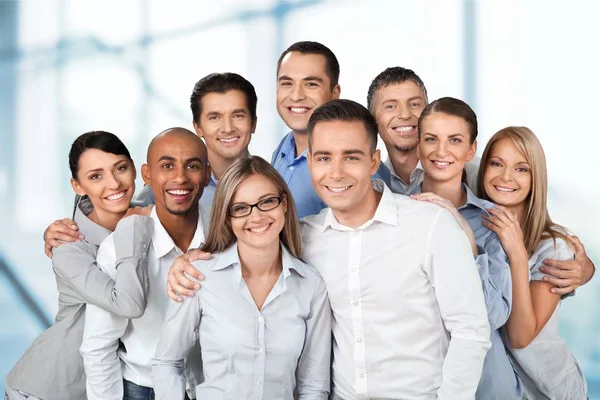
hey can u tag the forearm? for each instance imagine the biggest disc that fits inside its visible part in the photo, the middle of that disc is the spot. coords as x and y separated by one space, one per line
168 380
521 325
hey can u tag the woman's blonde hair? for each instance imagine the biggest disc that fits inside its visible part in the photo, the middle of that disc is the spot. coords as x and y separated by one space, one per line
220 235
536 223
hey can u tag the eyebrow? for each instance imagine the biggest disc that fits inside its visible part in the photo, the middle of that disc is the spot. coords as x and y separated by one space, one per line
236 111
308 78
450 136
264 196
100 169
409 99
344 152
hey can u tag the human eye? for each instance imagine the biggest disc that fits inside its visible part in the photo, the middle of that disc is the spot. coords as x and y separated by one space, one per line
270 202
238 116
495 164
213 117
285 83
415 104
312 84
193 166
239 209
323 159
456 140
122 167
95 177
522 169
167 166
352 158
389 107
429 139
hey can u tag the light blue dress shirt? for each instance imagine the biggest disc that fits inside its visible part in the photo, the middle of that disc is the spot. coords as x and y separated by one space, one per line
249 353
499 381
296 174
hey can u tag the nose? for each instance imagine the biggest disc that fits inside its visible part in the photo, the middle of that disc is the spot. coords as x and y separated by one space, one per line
507 175
180 174
297 93
336 170
113 182
442 148
403 112
227 125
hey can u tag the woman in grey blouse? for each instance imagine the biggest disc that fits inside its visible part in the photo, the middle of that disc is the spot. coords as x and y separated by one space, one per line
513 175
262 317
103 174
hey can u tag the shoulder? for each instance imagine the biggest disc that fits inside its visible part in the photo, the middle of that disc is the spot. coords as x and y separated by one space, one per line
557 249
423 210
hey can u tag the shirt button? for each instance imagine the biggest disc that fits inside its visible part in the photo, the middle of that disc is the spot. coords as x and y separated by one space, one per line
352 269
355 304
359 340
260 319
261 350
291 167
361 375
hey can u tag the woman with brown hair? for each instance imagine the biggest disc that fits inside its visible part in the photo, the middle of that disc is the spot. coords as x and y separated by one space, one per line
513 175
263 317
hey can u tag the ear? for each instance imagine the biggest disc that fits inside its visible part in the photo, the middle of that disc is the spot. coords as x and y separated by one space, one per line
77 187
146 175
337 90
284 203
197 129
207 172
375 161
472 151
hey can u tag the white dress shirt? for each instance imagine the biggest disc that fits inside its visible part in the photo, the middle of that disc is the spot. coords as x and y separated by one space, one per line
105 364
409 315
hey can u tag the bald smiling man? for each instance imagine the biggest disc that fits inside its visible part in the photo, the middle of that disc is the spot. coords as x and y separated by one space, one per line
176 168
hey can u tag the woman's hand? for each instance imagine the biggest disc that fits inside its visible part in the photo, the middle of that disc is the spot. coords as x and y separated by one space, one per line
506 225
446 204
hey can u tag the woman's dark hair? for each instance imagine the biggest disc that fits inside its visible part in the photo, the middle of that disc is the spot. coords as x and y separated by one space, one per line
100 140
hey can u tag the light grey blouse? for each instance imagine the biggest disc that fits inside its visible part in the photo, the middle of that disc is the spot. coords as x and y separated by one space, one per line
52 368
547 367
249 353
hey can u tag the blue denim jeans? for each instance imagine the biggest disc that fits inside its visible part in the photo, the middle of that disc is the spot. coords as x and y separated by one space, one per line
131 391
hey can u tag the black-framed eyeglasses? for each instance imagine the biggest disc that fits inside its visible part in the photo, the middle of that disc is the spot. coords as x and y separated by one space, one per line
240 210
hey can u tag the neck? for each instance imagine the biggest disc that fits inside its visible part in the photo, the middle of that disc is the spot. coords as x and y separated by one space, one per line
519 209
181 228
301 139
260 262
404 163
355 218
105 219
450 190
218 165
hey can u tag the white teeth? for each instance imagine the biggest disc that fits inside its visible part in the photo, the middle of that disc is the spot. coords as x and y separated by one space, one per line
259 230
503 189
116 196
338 189
403 129
178 192
299 110
442 163
228 140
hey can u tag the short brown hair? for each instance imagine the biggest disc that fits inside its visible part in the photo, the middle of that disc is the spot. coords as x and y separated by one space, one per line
220 235
344 110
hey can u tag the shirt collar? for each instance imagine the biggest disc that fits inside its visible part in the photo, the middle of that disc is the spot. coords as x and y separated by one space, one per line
230 258
288 149
474 201
388 163
162 241
94 233
386 212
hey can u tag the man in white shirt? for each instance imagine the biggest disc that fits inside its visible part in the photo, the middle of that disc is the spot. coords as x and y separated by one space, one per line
409 314
177 170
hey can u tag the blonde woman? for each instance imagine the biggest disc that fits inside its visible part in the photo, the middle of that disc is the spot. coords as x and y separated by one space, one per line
513 175
263 317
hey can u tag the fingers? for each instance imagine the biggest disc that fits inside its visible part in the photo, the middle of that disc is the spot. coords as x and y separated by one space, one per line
48 250
63 232
563 290
558 273
567 265
197 254
577 245
428 196
171 293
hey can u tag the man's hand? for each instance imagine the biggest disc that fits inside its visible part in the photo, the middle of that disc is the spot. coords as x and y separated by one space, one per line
60 231
143 211
178 284
568 275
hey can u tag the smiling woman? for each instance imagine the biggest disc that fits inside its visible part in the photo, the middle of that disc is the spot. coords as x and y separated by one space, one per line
103 175
255 240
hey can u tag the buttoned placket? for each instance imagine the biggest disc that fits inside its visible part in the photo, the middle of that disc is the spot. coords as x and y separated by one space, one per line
354 289
261 352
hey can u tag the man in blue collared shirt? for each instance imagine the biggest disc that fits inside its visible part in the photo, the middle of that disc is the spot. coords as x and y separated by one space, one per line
307 77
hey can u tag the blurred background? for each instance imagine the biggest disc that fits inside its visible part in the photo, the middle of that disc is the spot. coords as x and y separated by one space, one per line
67 67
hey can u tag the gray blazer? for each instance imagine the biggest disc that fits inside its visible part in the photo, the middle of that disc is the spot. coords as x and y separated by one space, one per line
52 367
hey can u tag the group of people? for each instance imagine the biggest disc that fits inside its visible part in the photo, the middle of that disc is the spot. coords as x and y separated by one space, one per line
324 274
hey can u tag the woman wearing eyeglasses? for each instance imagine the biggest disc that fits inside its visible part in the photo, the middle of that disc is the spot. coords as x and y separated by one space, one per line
263 317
